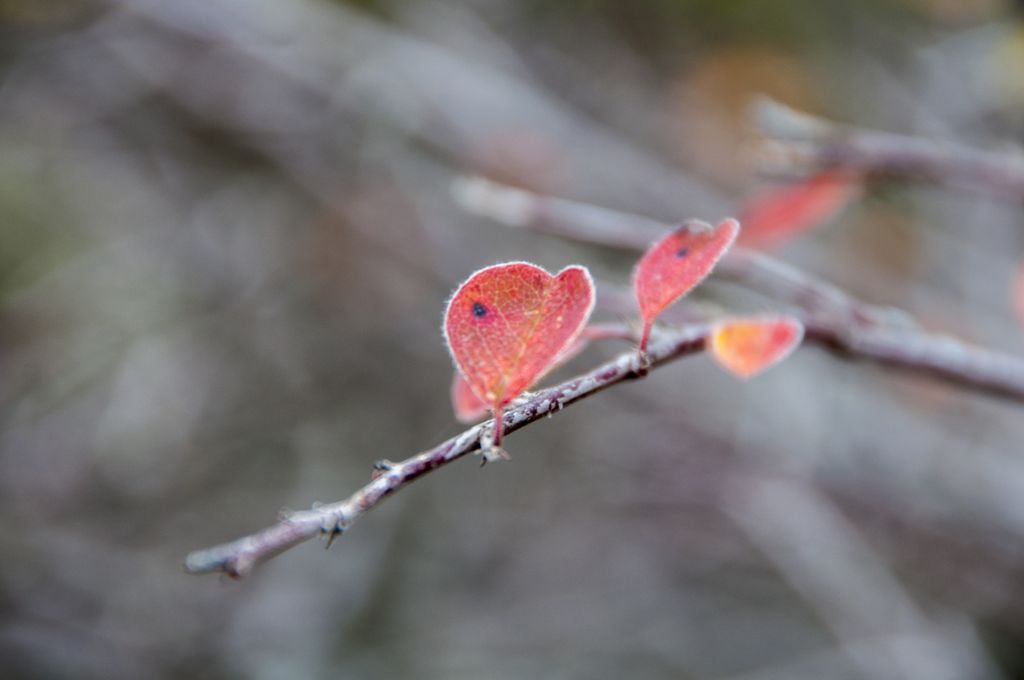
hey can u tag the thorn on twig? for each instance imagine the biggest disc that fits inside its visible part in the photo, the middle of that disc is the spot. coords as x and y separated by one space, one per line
237 567
493 453
332 534
380 467
332 529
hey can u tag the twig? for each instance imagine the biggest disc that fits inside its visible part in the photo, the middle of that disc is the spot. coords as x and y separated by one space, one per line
798 143
941 356
832 317
239 557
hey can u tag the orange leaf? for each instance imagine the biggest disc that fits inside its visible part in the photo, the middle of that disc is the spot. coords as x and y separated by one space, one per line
746 347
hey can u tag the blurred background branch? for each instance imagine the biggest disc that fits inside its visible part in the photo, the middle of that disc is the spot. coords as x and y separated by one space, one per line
795 143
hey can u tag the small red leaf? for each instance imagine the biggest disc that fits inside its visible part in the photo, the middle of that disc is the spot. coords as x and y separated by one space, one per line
746 347
509 324
674 265
780 214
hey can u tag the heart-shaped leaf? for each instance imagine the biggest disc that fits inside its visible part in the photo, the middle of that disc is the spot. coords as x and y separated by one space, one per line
508 324
746 347
673 266
779 214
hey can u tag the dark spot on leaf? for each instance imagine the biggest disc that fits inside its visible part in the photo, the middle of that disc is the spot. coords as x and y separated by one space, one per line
479 310
682 252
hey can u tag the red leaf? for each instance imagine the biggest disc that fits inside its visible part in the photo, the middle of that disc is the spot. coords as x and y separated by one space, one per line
675 264
780 214
746 347
467 406
509 324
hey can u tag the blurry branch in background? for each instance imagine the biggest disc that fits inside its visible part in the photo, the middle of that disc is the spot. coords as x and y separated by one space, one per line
834 568
798 144
831 316
239 557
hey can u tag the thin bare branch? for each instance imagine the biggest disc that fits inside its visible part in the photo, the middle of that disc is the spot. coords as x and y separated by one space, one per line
832 317
797 144
237 558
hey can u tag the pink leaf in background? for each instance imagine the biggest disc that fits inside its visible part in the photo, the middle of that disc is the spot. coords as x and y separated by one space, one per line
780 214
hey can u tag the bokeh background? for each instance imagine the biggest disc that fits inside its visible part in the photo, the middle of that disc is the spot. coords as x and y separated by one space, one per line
226 239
